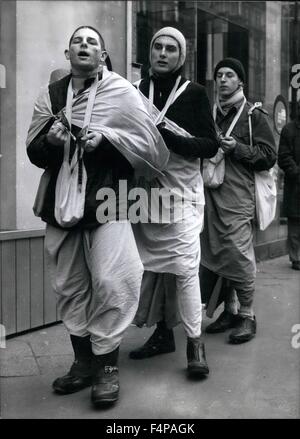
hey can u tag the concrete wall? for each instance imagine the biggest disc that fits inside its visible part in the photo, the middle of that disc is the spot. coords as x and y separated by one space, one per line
273 55
43 32
8 116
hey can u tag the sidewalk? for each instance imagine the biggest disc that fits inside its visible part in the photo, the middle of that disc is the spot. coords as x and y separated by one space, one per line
258 379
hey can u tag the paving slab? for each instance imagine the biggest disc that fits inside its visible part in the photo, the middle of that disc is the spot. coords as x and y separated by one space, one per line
17 359
59 363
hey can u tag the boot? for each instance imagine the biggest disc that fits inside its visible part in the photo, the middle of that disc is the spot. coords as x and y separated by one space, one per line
161 342
80 374
244 331
225 321
105 388
296 265
195 353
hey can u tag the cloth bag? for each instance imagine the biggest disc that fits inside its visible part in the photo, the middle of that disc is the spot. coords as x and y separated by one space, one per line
72 177
213 169
265 198
265 187
70 192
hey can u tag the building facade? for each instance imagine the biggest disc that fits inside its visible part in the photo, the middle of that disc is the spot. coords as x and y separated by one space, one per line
33 36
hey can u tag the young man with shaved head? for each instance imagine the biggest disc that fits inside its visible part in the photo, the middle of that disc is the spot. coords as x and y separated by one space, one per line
95 268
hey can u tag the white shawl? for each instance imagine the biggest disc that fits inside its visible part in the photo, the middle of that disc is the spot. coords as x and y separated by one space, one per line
119 114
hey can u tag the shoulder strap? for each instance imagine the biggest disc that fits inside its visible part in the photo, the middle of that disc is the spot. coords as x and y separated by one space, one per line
87 116
181 90
171 99
235 119
250 111
168 103
137 83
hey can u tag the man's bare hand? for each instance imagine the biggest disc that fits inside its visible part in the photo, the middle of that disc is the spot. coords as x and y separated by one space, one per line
57 134
91 141
227 144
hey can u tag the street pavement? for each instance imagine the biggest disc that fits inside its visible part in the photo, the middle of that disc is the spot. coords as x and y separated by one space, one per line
255 380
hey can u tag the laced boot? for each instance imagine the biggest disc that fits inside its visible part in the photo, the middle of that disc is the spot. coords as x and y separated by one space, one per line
105 388
195 352
80 374
161 342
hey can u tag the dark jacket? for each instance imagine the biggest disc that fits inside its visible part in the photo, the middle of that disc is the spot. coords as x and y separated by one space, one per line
105 166
262 155
191 111
289 162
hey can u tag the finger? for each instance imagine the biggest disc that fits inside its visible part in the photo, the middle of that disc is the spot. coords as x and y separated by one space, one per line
87 144
58 132
86 137
59 126
90 143
53 129
90 136
61 136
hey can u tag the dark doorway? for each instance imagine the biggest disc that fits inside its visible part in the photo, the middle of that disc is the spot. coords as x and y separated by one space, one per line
218 38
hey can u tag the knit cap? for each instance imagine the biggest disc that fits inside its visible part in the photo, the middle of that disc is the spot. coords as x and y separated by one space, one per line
178 36
233 64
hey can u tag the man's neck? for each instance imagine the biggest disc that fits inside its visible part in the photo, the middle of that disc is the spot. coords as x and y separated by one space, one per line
79 78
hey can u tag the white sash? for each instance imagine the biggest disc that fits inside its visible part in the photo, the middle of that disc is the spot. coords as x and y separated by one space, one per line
87 118
171 99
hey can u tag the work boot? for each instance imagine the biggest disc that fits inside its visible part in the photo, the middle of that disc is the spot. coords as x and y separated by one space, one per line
245 330
105 388
161 342
195 352
225 321
296 265
80 374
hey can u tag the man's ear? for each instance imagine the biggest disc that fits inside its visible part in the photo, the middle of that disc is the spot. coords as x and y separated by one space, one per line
103 56
67 54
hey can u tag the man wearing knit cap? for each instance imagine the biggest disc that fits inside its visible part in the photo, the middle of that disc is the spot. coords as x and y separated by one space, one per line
171 252
227 239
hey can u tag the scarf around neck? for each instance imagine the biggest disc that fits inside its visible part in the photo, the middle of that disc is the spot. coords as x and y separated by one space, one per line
235 99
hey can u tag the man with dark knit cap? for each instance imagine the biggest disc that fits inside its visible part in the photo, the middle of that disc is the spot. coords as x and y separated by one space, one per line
227 239
171 252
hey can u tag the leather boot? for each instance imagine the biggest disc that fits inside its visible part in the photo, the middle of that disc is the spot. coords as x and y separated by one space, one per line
244 331
225 321
161 342
80 374
105 388
195 353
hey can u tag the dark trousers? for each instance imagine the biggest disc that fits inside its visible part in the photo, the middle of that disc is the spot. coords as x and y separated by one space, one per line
294 239
208 279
